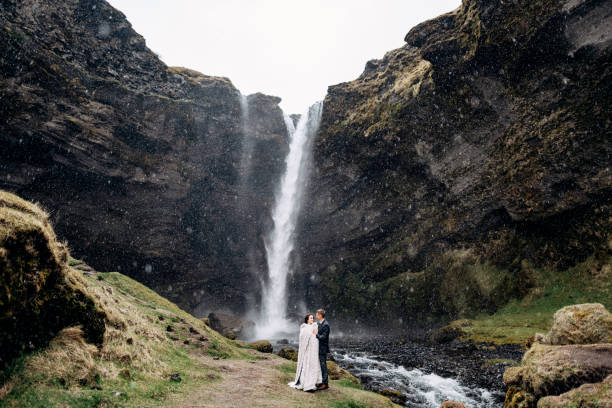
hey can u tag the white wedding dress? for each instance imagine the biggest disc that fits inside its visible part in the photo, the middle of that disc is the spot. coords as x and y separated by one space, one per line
308 372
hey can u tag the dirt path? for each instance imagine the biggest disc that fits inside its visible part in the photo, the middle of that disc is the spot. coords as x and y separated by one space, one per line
260 383
245 384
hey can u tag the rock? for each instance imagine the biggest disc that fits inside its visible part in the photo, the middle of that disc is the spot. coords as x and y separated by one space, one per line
448 333
598 395
336 372
536 338
224 324
110 127
551 370
230 335
176 377
288 353
581 324
40 294
431 155
283 341
263 346
395 396
452 404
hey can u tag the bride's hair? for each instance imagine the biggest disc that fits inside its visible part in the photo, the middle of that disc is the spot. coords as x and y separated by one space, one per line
307 317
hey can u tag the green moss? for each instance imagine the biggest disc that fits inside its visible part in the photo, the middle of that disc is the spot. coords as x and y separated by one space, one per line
587 282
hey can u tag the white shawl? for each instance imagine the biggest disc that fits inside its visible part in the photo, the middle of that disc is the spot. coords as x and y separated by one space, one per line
308 372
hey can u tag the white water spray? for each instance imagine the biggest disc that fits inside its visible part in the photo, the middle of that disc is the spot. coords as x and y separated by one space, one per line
247 143
280 243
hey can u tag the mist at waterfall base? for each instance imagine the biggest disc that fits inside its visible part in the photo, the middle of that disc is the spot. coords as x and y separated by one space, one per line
271 320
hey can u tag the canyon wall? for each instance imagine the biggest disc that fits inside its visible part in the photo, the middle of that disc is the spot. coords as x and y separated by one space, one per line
459 165
140 165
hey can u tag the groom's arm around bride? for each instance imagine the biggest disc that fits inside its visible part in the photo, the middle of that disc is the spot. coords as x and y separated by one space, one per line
323 336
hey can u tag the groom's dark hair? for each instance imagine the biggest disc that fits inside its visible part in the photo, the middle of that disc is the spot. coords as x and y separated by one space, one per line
321 312
306 317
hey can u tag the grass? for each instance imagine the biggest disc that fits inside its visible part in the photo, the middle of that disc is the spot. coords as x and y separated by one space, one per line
342 393
134 365
587 282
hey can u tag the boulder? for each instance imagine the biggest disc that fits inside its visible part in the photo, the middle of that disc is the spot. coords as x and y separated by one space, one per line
581 324
224 323
552 370
288 353
395 396
452 404
449 332
596 395
263 346
338 373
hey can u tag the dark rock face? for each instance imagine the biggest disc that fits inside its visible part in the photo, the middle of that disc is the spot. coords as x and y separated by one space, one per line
456 164
138 163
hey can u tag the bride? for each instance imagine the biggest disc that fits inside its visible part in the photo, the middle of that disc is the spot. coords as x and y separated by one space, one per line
308 372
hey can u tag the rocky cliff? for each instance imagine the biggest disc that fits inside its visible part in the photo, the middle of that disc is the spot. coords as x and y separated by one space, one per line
459 164
141 165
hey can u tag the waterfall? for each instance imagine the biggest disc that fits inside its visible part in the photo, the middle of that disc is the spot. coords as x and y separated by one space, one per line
279 244
247 144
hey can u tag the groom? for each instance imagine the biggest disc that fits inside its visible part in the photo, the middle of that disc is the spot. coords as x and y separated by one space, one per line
323 336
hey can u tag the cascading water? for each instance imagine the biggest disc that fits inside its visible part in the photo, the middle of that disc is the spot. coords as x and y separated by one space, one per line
247 143
280 242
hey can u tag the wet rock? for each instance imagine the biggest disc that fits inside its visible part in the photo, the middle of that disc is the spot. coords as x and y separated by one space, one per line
288 353
337 373
395 396
452 404
581 324
263 346
224 324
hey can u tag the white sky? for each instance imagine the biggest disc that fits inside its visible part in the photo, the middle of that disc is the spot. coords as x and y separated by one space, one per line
293 49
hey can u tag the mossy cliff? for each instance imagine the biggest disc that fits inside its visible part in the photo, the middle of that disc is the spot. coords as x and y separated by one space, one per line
138 163
40 295
459 167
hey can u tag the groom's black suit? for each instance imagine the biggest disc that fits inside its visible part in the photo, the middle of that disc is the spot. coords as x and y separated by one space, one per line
323 336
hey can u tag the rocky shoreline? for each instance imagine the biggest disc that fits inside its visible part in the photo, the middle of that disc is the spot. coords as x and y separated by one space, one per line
475 365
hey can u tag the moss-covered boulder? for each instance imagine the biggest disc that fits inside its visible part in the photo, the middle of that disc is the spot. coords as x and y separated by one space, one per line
581 324
450 332
338 373
40 294
288 353
263 346
552 370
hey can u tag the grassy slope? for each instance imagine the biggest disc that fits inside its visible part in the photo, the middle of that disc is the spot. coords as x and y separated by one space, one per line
587 282
134 366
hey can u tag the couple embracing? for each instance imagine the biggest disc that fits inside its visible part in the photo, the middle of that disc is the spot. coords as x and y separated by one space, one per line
311 373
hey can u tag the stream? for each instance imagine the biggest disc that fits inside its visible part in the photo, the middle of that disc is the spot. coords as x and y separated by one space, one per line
427 374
